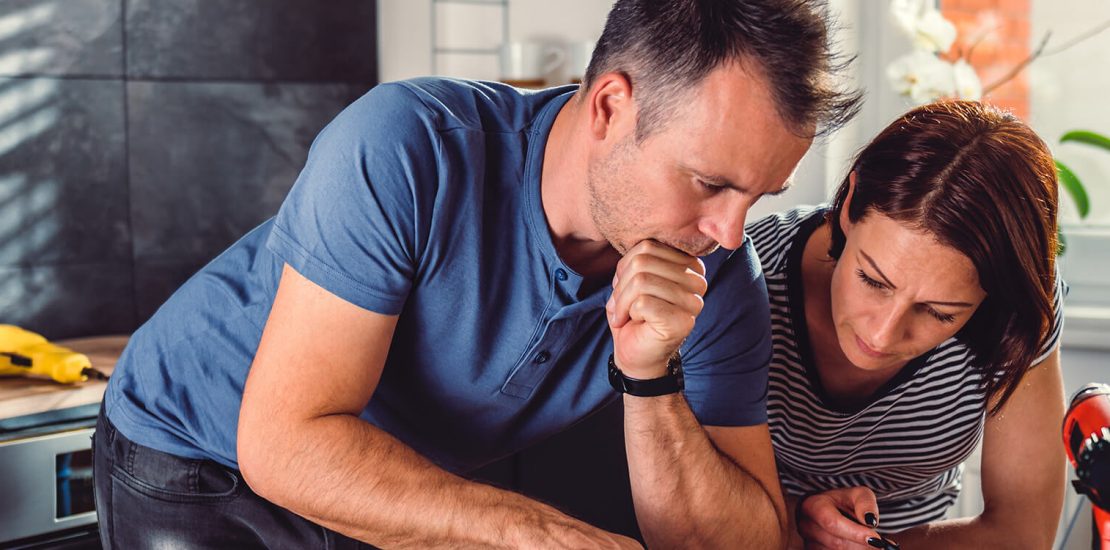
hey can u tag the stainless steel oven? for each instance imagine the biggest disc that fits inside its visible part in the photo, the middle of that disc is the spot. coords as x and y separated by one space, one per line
46 483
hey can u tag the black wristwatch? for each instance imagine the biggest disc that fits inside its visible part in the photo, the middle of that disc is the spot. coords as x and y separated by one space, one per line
666 384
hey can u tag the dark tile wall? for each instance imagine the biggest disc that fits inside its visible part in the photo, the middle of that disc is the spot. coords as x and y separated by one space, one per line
309 40
139 138
70 38
180 169
136 145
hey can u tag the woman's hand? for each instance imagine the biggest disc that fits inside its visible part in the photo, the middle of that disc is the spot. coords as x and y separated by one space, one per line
840 519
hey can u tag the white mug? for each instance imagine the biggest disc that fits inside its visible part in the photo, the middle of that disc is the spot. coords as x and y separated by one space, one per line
529 61
580 54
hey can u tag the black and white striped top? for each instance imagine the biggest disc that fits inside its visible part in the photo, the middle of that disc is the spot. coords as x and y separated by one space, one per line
908 445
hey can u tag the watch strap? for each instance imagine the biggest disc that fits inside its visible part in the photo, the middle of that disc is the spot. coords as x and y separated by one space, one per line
671 382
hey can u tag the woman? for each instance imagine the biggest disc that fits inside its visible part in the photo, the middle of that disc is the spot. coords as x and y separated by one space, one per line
917 314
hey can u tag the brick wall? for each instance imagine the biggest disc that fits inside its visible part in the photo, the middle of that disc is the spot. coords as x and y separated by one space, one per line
997 34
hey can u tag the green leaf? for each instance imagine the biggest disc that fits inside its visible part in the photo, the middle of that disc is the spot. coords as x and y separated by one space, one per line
1075 188
1061 242
1084 136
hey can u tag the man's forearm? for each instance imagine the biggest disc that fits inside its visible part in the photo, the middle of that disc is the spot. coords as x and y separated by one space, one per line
353 478
686 492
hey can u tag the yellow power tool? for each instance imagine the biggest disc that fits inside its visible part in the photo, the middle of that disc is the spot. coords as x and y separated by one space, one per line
23 352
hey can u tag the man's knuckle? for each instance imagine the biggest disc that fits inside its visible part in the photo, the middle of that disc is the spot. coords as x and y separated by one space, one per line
639 282
697 304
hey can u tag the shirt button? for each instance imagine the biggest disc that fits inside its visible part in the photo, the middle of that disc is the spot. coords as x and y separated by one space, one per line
560 274
541 357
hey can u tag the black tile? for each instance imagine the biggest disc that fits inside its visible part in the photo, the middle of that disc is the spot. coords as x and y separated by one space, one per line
156 281
209 162
74 37
69 301
63 192
332 40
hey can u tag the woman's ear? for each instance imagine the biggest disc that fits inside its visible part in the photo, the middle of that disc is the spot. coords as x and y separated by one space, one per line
845 222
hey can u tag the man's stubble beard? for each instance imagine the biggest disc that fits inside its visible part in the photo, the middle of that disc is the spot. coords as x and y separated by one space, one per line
616 206
609 198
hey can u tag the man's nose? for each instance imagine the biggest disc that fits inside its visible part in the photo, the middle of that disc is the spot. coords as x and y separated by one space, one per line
727 227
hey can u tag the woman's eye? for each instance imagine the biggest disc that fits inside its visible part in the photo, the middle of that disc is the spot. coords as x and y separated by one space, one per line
942 317
868 280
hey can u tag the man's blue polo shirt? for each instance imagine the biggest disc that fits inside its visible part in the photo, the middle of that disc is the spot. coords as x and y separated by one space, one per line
422 199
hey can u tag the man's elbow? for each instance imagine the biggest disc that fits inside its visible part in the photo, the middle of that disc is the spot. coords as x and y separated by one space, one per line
257 455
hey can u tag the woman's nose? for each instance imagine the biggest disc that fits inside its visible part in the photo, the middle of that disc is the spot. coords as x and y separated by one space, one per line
889 329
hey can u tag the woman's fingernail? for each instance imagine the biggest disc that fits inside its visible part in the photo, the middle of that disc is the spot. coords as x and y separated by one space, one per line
877 543
871 519
891 545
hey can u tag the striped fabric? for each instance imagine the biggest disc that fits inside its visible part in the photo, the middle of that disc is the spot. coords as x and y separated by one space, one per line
908 445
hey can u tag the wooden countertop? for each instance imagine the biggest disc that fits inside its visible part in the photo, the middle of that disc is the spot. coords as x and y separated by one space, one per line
21 396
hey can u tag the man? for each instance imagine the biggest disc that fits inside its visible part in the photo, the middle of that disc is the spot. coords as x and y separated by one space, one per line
448 281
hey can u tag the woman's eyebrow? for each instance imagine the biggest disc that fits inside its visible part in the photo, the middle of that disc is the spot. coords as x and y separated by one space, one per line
877 270
933 302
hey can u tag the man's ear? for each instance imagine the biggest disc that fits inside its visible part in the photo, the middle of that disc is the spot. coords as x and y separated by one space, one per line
612 110
845 223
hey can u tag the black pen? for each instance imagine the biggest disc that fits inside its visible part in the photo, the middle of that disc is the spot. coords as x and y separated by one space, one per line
881 542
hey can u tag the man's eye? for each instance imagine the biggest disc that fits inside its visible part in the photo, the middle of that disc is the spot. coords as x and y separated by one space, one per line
712 187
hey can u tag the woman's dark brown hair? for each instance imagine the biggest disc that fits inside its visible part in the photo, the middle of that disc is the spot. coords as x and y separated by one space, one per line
982 182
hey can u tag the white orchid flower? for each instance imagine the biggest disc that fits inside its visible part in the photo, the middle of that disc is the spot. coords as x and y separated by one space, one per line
968 85
922 76
922 22
907 13
934 32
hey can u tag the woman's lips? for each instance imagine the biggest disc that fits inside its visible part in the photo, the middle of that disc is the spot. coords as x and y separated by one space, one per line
868 350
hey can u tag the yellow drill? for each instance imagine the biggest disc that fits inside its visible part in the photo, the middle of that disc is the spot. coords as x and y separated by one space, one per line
23 352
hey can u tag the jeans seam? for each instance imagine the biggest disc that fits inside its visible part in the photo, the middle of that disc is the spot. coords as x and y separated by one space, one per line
130 458
178 497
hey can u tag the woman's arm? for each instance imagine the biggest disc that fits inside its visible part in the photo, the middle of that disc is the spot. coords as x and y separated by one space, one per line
1023 473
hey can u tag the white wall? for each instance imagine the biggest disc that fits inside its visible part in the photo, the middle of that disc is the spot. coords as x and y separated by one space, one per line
1068 91
405 33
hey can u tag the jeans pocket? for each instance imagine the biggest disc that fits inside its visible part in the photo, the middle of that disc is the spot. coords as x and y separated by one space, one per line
176 479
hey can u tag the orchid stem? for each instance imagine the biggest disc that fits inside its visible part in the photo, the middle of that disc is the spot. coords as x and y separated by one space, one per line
1041 52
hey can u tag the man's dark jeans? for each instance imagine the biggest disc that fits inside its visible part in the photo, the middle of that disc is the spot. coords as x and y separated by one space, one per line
150 499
